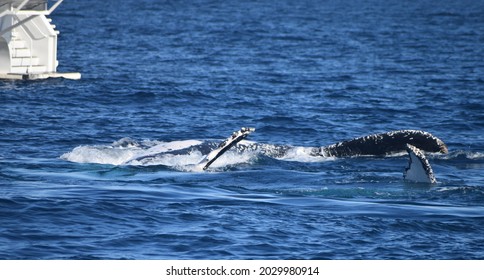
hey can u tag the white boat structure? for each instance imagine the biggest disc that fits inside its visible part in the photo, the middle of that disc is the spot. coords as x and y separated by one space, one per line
28 41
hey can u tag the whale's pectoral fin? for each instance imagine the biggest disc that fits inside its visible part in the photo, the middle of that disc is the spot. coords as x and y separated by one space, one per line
236 137
419 169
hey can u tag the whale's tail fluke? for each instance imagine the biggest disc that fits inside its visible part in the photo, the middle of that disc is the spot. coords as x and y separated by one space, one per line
383 144
419 169
236 137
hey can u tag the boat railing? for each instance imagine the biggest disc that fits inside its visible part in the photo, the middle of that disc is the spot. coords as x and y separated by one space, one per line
44 12
19 10
11 10
17 22
31 14
6 3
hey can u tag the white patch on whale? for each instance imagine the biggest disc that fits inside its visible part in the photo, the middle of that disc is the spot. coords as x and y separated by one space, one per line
418 169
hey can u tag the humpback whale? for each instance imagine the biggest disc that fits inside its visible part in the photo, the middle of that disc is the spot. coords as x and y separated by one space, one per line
412 141
197 155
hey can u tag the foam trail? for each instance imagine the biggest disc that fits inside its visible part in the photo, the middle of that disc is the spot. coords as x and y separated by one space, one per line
128 152
180 155
100 155
303 154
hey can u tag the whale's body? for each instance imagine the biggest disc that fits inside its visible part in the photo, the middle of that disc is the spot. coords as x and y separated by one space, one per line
384 144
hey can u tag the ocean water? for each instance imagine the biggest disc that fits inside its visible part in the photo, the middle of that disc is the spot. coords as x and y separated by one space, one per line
161 75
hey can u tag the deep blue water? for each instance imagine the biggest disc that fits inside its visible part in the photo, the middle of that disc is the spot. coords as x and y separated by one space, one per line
303 73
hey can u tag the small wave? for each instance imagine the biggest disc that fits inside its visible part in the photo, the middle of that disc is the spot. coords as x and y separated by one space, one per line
461 189
464 155
476 155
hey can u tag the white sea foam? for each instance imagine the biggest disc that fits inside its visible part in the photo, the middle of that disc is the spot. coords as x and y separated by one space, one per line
303 154
168 159
163 147
150 153
476 155
100 154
